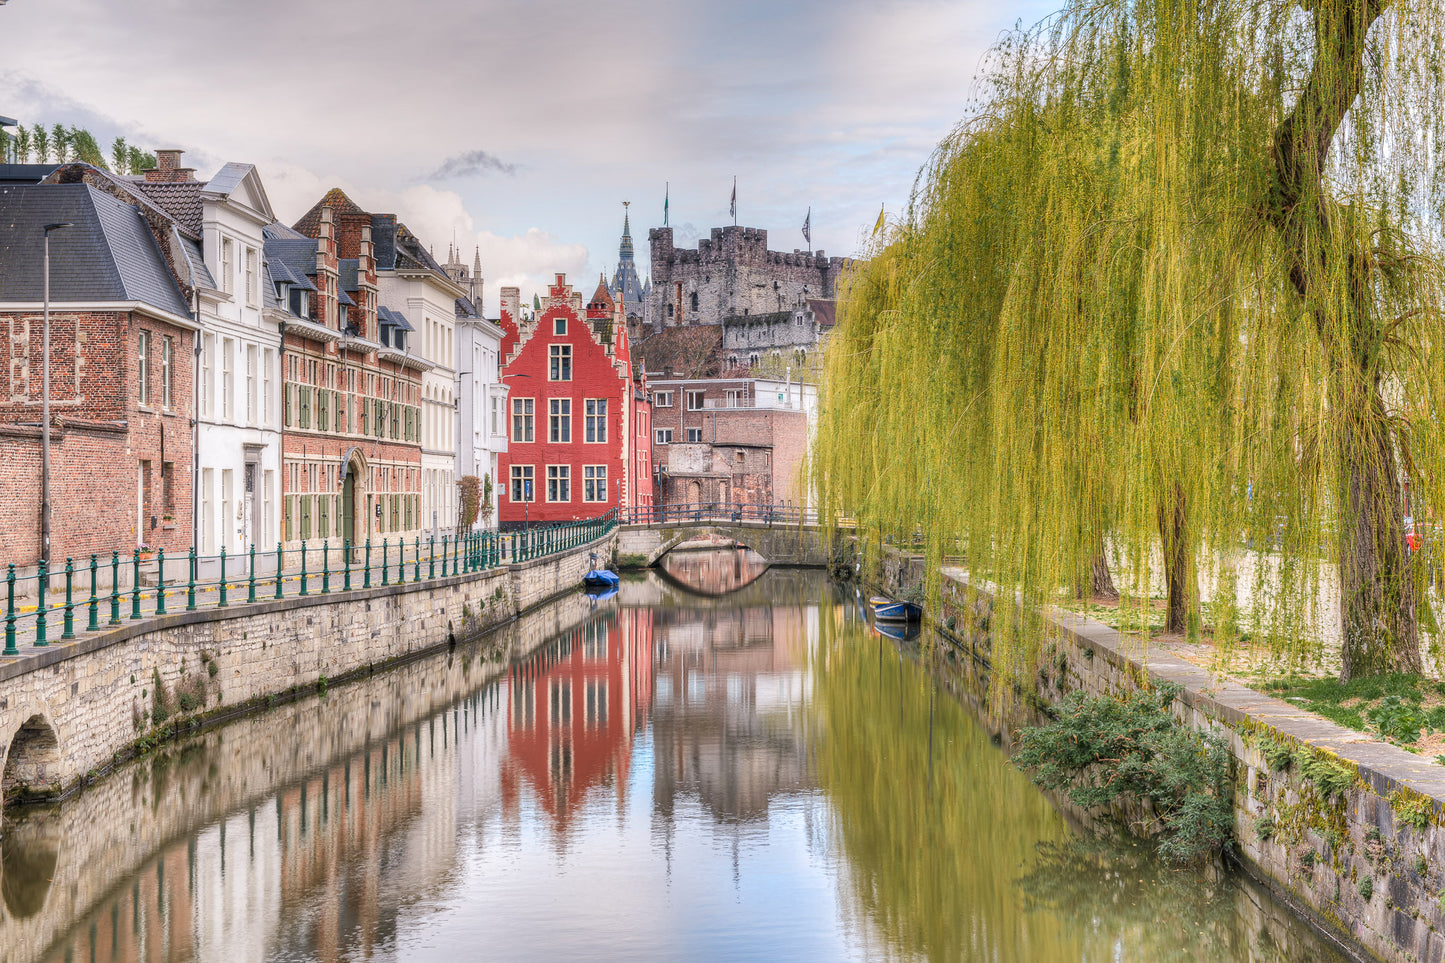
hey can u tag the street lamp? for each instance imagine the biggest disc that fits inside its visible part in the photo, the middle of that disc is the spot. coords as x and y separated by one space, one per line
45 408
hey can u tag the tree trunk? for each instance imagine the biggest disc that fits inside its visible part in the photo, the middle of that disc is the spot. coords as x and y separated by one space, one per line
1178 561
1103 582
1377 586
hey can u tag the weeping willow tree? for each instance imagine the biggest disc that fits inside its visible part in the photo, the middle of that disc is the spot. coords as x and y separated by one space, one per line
1174 289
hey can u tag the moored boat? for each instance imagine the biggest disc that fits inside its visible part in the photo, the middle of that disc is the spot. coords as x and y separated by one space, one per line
600 578
890 610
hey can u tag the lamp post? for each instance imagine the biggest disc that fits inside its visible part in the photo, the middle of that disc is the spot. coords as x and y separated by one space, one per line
45 409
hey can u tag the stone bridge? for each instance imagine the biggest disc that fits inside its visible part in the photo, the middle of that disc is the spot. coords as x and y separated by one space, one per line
805 546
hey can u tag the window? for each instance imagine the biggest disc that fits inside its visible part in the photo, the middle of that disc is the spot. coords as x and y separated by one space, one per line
559 421
523 417
694 300
694 435
228 494
663 436
662 399
594 483
251 276
596 420
496 416
266 363
208 362
168 357
208 521
252 411
559 327
695 400
228 265
143 368
561 367
559 483
559 702
734 397
228 392
522 484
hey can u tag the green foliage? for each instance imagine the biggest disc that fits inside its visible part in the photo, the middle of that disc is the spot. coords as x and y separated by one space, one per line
1100 748
1330 777
1397 719
1276 754
469 488
161 705
1143 304
1367 888
1264 827
1412 809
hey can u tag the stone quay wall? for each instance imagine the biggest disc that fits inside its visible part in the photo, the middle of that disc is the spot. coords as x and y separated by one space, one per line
74 710
1365 865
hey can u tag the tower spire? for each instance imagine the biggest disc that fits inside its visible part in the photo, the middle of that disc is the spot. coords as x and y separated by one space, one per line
624 250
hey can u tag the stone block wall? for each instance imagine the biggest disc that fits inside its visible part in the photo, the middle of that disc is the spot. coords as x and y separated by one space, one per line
84 703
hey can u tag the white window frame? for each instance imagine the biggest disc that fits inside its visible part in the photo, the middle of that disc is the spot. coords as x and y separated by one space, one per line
594 483
662 399
251 276
694 436
594 421
523 474
558 356
529 422
696 399
559 421
228 265
559 475
662 436
143 368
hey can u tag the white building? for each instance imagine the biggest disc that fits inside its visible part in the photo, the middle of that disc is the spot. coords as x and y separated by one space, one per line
410 281
238 383
481 395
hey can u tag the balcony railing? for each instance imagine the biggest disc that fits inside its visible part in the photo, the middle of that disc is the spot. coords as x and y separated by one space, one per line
719 512
145 584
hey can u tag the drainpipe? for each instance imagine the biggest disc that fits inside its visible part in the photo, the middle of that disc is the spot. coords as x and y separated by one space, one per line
195 423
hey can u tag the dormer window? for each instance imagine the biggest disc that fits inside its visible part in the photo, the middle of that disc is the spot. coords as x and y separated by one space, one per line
301 303
398 339
283 292
341 317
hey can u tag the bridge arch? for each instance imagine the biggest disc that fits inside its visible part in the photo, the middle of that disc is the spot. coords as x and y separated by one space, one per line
32 759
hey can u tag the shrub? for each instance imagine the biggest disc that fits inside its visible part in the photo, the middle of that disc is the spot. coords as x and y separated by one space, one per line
1265 827
161 709
1398 719
1367 888
1411 808
1329 776
1099 748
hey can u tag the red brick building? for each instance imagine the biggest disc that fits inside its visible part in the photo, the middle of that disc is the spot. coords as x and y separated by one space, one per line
572 408
730 440
351 452
122 343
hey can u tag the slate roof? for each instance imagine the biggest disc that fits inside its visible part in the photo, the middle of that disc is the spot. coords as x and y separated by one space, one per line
298 256
228 178
466 309
348 271
181 200
197 261
25 173
395 318
279 272
109 254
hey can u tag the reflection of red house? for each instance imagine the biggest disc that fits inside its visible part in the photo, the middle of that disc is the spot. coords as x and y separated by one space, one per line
574 709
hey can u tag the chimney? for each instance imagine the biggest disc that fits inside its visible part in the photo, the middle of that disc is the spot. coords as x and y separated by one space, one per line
511 303
168 169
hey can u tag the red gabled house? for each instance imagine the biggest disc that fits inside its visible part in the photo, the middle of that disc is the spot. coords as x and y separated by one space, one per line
572 410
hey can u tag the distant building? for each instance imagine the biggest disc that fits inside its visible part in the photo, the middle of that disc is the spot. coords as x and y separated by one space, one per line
571 392
481 394
783 339
730 440
626 288
733 274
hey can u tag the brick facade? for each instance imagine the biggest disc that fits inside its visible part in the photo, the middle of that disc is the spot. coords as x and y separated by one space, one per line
120 469
549 409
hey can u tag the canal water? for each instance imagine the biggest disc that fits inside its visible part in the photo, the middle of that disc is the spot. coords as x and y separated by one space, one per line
673 773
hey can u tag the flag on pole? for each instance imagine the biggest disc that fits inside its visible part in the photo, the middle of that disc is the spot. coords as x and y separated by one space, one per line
733 205
808 228
666 196
879 225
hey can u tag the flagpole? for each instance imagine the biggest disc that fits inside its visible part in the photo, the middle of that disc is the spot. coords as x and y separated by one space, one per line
735 200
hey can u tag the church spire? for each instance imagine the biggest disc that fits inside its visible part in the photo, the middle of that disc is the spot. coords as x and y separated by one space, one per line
624 251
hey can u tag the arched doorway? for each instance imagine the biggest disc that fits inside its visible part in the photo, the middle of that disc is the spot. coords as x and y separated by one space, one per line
32 761
353 497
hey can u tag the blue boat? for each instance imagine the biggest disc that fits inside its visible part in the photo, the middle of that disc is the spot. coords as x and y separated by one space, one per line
887 610
601 594
600 578
898 631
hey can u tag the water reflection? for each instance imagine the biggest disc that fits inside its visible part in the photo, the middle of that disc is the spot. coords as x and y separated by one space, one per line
713 571
660 778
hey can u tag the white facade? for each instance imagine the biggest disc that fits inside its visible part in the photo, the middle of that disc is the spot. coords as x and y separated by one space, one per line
428 299
481 405
238 374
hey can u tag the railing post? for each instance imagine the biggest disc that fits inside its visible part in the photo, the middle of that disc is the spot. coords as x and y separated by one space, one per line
346 550
135 586
115 588
385 557
366 583
160 581
221 602
280 564
10 648
303 568
431 563
42 579
416 560
251 582
456 553
191 581
68 631
93 622
325 568
444 556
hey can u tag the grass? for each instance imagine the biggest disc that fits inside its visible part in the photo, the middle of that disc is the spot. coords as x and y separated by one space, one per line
1394 707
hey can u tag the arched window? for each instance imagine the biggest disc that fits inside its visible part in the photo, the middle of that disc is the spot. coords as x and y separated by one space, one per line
694 300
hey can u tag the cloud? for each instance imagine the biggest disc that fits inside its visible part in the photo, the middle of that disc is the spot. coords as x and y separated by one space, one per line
470 164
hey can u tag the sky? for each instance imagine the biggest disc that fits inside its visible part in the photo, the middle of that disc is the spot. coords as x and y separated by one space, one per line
518 127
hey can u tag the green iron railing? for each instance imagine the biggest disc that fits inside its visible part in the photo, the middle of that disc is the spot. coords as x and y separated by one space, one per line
156 580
